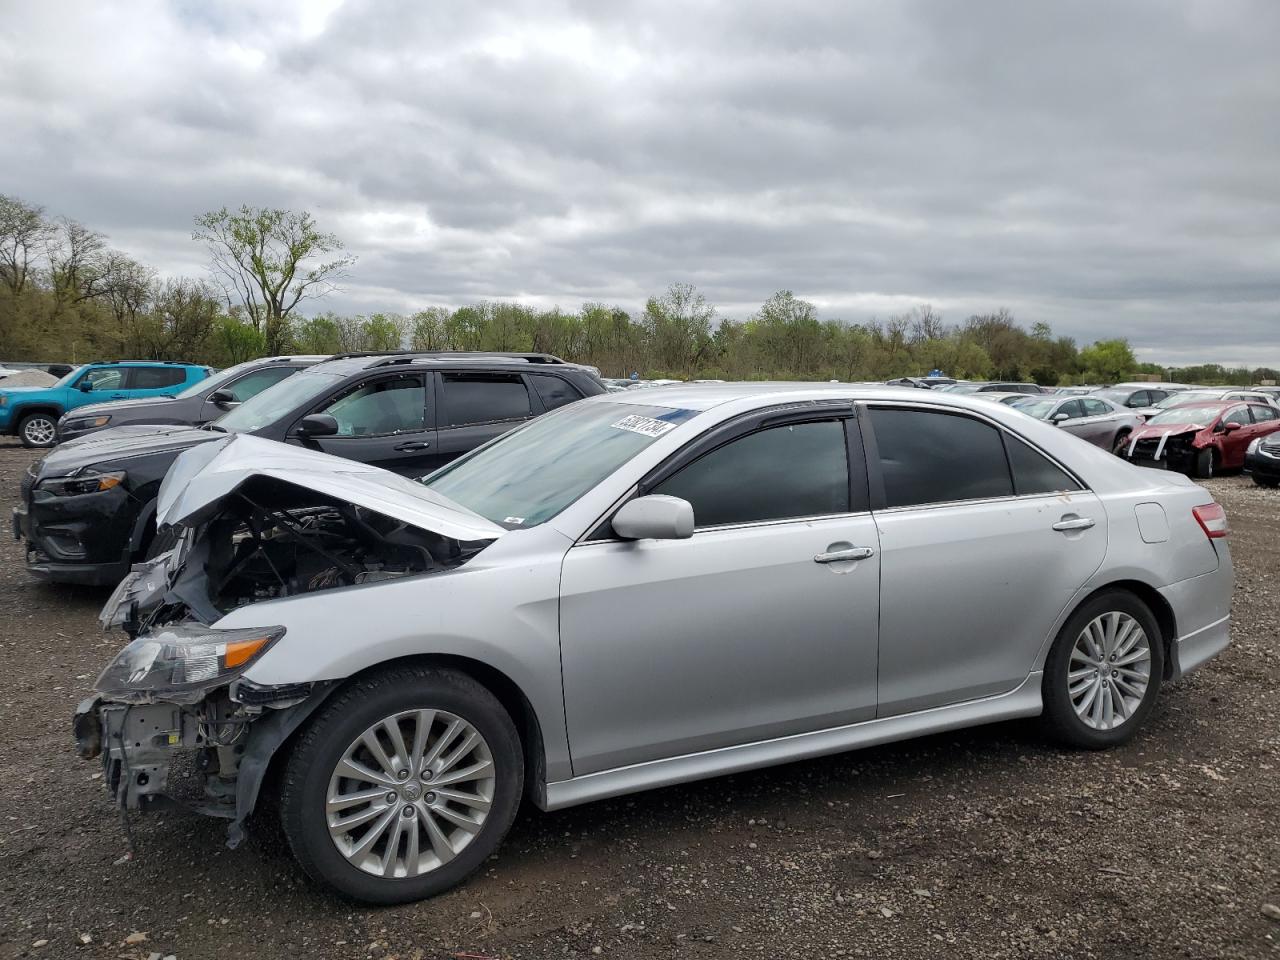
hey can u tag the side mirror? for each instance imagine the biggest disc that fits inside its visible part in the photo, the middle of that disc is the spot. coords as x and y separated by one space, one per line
223 398
1058 417
655 517
85 385
316 425
1231 427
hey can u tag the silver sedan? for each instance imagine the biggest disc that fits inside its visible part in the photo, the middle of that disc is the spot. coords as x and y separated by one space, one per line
1094 419
633 591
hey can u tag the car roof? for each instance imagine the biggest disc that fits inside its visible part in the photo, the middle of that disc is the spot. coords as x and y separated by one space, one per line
347 364
144 363
705 396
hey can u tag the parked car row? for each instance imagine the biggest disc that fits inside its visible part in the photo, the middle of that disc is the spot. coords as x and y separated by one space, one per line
400 661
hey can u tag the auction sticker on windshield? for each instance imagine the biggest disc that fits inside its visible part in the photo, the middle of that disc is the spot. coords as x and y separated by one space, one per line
646 426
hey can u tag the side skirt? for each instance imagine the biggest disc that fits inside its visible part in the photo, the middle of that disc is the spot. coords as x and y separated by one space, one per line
1023 701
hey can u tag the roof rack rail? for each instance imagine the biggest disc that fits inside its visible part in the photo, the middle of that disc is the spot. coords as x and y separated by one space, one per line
178 363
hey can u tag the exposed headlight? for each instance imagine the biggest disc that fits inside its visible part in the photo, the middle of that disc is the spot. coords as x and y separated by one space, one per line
87 423
81 483
179 664
1253 447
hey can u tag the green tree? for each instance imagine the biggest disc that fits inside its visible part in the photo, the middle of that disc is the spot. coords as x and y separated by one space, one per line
236 341
1107 361
271 260
678 325
384 331
319 335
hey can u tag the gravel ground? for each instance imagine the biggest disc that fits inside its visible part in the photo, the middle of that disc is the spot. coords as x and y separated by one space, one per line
985 843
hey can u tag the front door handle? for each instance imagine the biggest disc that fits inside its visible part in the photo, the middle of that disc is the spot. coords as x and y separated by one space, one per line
412 445
849 553
119 396
1073 523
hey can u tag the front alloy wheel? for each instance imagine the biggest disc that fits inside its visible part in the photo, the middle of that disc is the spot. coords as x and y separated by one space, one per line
38 430
410 793
401 784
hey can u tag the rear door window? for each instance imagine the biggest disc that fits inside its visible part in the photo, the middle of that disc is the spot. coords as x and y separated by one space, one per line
155 378
1263 414
930 457
484 398
1074 409
554 391
1094 408
1239 415
793 470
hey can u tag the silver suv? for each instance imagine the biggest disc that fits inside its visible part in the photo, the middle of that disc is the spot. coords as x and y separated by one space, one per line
629 592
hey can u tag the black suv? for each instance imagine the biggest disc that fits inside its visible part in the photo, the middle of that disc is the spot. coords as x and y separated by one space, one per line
195 406
88 509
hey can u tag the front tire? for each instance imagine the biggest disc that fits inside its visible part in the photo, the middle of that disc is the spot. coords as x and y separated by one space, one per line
402 785
1103 672
38 430
1206 464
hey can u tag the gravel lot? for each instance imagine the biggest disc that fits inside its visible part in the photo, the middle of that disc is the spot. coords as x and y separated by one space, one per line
985 843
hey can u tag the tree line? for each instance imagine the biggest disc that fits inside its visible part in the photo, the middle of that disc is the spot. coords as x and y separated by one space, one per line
67 295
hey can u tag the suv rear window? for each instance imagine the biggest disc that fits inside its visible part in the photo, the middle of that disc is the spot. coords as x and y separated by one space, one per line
554 391
153 378
484 398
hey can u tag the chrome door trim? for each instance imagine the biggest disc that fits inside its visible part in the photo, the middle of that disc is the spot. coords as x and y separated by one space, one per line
1022 701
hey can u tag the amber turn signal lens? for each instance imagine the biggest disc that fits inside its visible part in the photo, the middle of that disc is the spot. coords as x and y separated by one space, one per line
241 652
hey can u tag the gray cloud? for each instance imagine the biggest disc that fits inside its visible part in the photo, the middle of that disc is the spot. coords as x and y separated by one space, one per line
1108 168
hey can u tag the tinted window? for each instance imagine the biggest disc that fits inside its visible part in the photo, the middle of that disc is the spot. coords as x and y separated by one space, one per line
153 378
928 457
797 470
1074 409
484 397
379 408
1263 414
103 378
259 380
1238 415
1095 408
555 392
1033 472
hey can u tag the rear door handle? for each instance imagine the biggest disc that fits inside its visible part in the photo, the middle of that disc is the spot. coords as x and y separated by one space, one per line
412 445
1076 523
851 553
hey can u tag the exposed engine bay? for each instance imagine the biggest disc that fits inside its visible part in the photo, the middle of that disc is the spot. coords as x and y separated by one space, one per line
173 718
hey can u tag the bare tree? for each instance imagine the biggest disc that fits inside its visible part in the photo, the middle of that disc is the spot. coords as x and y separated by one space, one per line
270 261
24 233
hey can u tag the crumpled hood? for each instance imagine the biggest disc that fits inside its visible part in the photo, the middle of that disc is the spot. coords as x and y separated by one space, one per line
204 475
1166 429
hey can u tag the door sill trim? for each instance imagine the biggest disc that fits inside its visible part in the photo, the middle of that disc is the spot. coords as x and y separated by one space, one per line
1023 701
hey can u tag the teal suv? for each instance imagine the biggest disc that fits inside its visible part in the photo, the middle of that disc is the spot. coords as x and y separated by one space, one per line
31 413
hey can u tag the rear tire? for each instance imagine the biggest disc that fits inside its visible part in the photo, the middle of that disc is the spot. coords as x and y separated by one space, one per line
38 430
428 827
1206 464
1103 672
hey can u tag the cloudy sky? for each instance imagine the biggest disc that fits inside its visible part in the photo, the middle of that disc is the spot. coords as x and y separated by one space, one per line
1112 168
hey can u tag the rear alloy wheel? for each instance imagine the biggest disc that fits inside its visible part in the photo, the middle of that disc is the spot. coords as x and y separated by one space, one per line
1206 463
403 784
38 430
1104 672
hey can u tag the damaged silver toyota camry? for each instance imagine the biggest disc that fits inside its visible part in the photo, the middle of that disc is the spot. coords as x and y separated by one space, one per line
624 595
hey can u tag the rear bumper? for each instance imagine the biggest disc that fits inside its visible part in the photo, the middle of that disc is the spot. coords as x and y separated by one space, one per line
1202 611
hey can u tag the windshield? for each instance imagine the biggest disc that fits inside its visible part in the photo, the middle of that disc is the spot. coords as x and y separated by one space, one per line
1198 414
964 387
526 477
274 402
1035 408
66 381
212 382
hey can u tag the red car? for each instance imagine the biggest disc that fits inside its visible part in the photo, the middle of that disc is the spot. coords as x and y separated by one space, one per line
1200 438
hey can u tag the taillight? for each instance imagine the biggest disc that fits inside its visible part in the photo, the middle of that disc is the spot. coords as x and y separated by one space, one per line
1212 519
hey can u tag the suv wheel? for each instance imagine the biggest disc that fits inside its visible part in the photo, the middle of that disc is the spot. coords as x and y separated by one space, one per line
1103 672
402 785
38 430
